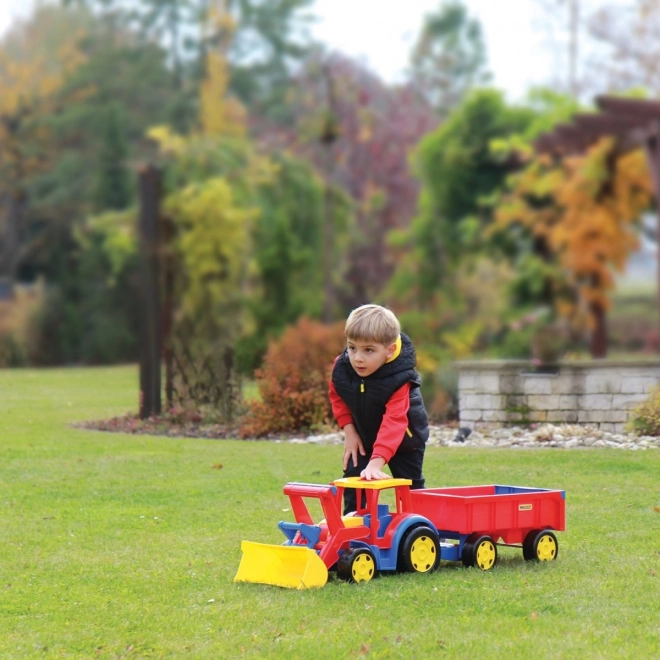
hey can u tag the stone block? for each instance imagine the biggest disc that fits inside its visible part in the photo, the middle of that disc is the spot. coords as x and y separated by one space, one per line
494 416
640 385
537 416
469 415
466 381
590 416
568 401
543 401
511 384
481 401
595 401
615 415
515 401
512 416
608 426
561 384
603 382
626 401
537 384
488 383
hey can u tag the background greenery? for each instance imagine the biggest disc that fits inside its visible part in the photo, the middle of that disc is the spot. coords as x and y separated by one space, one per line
126 546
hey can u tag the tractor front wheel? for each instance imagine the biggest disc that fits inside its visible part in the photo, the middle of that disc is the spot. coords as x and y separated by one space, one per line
357 565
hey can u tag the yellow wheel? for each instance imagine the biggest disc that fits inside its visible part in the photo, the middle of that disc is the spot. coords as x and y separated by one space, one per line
485 553
540 545
358 565
420 551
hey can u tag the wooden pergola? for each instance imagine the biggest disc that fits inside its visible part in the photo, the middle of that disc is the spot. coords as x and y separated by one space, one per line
634 123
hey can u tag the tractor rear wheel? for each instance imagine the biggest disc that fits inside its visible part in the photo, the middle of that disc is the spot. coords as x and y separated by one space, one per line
420 551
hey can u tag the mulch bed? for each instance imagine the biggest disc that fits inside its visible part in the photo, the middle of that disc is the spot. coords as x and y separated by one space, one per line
175 426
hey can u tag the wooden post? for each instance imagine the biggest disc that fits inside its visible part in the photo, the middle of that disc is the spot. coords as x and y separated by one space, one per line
149 291
328 136
652 148
168 307
599 333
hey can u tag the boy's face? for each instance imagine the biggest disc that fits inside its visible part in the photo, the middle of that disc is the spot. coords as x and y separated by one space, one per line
368 356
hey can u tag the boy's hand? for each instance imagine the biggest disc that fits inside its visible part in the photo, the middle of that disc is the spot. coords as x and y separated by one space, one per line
374 470
352 445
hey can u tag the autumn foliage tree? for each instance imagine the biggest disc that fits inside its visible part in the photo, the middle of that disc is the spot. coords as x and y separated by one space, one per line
582 210
31 79
359 132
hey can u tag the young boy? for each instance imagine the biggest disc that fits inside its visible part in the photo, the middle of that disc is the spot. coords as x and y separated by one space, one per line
375 397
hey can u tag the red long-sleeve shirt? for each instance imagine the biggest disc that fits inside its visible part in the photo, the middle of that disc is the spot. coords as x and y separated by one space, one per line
392 428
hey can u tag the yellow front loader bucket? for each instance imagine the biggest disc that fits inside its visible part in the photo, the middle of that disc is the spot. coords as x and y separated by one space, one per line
291 566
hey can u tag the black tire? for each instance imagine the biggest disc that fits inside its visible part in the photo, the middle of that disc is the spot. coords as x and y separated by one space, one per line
357 565
540 545
479 551
528 545
467 554
419 551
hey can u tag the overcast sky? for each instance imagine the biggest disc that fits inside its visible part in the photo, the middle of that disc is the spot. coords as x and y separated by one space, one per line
381 33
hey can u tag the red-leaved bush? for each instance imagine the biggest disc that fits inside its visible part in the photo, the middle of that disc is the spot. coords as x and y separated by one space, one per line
293 381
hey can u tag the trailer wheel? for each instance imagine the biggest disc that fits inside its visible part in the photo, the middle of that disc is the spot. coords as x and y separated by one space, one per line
467 554
540 545
479 551
420 551
357 565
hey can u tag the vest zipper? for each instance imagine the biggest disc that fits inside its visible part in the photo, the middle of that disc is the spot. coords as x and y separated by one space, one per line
360 401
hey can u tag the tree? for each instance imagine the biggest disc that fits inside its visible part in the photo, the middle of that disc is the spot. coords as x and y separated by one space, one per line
458 171
270 43
113 185
269 40
584 209
32 74
449 57
358 132
104 107
568 14
630 37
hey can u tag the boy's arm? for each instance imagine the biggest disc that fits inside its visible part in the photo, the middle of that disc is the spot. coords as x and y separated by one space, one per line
342 413
390 434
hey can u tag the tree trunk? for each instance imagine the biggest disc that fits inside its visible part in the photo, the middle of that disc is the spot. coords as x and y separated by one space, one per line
599 334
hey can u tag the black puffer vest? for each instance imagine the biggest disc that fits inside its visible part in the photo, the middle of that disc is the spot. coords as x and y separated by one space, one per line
366 397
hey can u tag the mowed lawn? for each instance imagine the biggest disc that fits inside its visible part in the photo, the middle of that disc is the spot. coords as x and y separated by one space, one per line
120 546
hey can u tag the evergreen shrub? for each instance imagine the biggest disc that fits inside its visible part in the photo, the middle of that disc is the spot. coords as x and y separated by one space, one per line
645 418
293 381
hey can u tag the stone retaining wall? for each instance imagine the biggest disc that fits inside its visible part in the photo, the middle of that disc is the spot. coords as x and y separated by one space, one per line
601 393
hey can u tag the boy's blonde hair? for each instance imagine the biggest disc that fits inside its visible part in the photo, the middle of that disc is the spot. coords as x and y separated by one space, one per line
372 323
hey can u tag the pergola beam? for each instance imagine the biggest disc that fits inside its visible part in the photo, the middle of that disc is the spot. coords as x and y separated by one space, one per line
643 109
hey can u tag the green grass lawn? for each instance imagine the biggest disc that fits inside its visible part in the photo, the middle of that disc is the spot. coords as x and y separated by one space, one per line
119 546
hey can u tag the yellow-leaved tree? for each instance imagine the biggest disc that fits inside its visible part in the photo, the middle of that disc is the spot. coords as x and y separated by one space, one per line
209 206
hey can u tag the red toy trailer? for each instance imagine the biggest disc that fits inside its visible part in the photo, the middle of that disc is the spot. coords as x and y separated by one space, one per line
455 524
